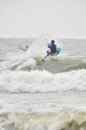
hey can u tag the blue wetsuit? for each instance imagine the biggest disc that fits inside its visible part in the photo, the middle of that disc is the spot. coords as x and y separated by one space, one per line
52 48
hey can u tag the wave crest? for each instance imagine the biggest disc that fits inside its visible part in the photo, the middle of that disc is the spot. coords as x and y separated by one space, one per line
41 81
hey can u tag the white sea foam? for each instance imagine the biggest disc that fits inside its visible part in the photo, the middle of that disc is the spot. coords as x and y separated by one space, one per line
41 81
29 64
63 120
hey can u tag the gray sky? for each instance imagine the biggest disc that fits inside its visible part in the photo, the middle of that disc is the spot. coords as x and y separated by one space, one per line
28 18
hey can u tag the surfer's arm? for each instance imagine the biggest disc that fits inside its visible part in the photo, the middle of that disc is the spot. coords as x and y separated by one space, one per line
49 45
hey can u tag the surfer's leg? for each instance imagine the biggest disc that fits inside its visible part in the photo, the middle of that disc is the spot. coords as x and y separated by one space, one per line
57 52
48 53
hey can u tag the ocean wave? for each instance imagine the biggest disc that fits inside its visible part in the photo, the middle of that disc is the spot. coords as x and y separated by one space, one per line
53 64
41 81
67 119
59 64
69 59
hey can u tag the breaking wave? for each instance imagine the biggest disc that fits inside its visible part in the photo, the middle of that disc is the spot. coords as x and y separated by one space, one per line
41 81
66 119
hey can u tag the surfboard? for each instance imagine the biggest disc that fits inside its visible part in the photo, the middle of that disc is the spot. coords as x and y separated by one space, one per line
58 49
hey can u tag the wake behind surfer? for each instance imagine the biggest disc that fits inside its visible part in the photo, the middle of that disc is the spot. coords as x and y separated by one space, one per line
23 49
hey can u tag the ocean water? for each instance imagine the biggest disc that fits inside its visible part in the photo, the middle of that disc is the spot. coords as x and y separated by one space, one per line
36 95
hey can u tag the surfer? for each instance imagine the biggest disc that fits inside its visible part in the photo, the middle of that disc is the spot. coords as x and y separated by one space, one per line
52 48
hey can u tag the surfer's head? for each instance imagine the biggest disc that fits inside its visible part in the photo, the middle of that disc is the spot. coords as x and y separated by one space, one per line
52 41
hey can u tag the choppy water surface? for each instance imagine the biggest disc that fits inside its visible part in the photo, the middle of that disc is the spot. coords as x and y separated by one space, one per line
36 95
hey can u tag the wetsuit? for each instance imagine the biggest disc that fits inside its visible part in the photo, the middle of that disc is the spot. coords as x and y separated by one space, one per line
52 48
